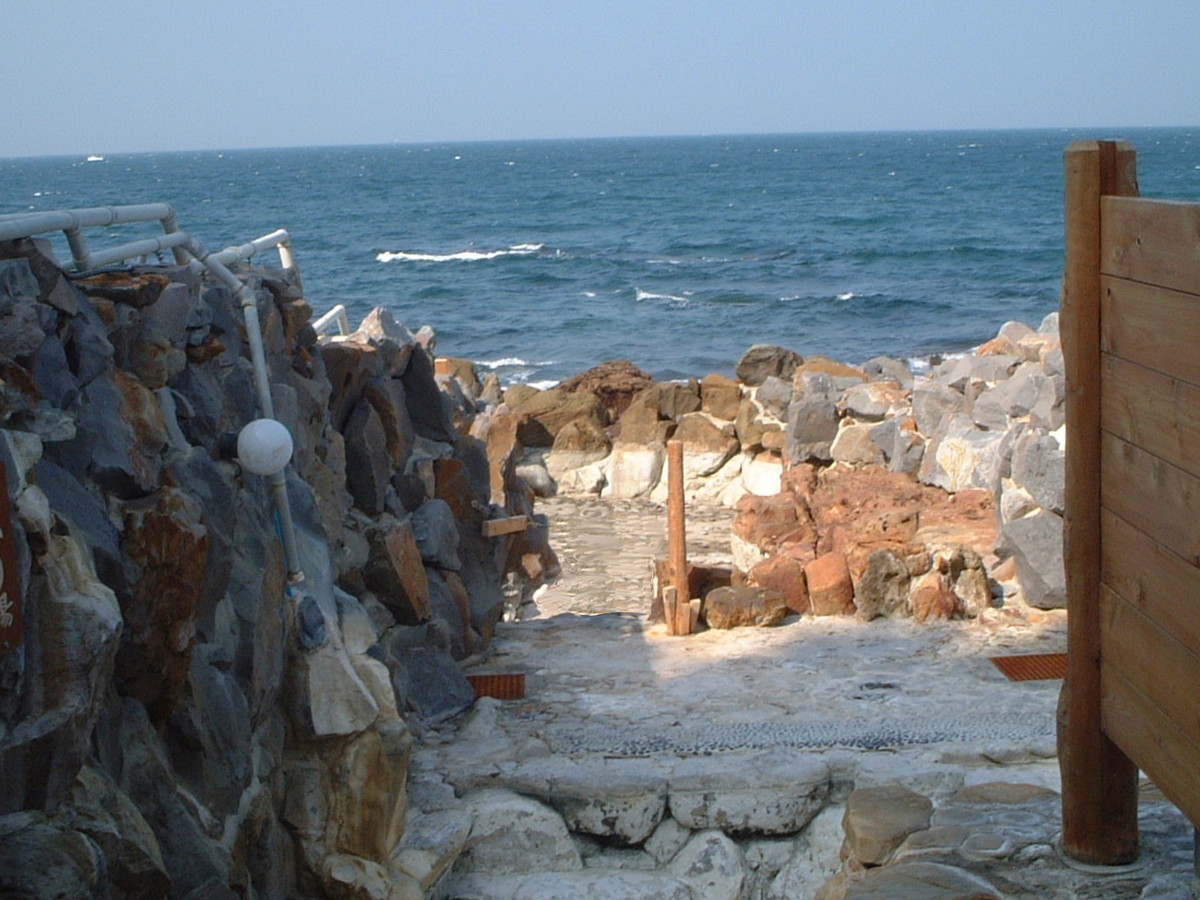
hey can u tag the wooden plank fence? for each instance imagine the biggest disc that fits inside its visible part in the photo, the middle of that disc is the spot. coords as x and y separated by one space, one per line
1130 325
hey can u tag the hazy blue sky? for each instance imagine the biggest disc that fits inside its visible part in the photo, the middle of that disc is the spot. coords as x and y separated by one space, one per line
90 76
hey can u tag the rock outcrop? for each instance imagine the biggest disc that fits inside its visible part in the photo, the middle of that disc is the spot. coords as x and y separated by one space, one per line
177 716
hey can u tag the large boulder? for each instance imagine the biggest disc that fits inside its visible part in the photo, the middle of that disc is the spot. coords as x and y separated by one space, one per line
764 360
615 383
734 607
1035 543
544 413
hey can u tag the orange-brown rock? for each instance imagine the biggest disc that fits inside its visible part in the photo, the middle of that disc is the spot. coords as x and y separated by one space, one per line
395 573
670 399
544 413
830 587
737 607
165 538
932 597
499 434
783 574
829 367
615 383
770 522
720 396
643 425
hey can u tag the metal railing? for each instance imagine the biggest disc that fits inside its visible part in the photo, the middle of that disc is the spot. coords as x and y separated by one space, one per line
187 251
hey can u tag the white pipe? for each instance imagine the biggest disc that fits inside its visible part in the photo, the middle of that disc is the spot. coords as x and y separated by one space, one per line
19 225
137 248
262 383
338 314
71 222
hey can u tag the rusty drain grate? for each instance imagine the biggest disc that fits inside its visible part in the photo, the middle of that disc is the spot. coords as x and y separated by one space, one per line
500 685
1032 667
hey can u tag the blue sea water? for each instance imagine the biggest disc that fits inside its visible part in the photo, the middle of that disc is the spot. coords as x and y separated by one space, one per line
539 259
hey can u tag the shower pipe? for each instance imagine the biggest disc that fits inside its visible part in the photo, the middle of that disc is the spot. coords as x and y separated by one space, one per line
187 251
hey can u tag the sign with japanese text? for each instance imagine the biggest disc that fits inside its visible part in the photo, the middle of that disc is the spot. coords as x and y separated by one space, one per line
10 588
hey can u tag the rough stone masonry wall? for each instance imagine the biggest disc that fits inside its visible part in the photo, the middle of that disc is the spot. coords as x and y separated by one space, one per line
176 721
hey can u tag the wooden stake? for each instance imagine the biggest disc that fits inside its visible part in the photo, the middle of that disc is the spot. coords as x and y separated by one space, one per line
1099 782
677 539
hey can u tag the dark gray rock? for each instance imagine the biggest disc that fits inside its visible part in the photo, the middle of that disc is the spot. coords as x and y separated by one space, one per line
52 373
132 753
40 859
425 676
71 500
884 368
775 395
969 370
901 447
812 420
429 409
1029 394
764 360
89 351
368 472
437 534
209 737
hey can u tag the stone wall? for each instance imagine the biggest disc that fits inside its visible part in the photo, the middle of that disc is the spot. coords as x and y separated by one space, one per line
179 720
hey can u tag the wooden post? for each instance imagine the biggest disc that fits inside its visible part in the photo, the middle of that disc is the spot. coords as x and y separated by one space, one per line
680 621
1099 782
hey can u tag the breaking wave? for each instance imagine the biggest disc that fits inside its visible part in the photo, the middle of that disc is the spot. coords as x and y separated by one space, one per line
460 256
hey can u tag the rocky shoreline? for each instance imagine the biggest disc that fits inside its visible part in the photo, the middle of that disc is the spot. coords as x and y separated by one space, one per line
178 718
865 490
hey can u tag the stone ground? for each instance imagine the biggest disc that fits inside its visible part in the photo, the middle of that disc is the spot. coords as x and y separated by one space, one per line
888 701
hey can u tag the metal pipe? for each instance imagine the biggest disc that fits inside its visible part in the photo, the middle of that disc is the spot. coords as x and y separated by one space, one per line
137 248
19 225
71 223
337 314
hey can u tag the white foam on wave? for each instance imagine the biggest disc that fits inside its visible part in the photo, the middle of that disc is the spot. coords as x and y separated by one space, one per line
461 256
514 362
846 295
675 299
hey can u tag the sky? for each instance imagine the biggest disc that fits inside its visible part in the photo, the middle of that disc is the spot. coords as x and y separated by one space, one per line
113 76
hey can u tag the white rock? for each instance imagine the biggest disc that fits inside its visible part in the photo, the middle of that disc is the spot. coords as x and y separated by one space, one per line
605 884
431 844
763 475
632 471
853 445
588 479
712 865
667 840
769 792
338 701
744 554
512 834
815 860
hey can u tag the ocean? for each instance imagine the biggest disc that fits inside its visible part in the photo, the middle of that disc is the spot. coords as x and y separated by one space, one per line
539 259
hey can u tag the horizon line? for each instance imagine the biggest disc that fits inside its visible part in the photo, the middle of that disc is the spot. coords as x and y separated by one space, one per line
589 138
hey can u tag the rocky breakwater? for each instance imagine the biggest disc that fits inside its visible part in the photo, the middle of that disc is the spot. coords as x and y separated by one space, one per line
865 490
176 719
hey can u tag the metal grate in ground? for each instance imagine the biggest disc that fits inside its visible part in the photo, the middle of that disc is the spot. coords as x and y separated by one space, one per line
1032 666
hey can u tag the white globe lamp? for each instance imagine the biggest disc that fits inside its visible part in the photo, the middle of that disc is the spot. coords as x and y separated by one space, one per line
264 447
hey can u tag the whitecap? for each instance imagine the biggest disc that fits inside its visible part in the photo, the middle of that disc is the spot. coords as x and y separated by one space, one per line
460 256
847 295
675 299
95 158
504 361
